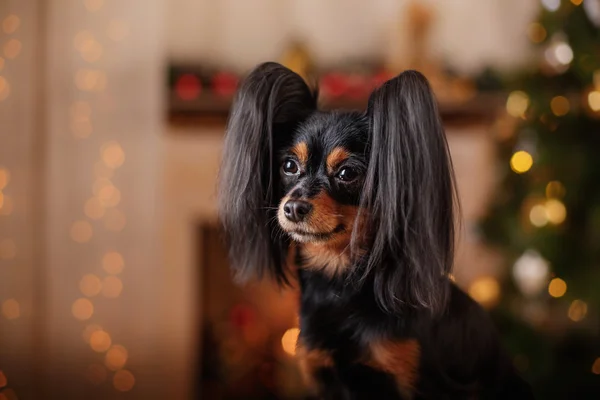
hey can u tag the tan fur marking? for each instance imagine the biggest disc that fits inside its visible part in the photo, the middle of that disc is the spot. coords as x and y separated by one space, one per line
300 150
333 255
335 158
400 359
310 362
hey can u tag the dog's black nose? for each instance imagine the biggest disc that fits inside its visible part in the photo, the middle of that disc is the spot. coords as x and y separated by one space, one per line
296 210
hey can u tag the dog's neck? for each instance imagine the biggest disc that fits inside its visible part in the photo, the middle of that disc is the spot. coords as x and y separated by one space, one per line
332 258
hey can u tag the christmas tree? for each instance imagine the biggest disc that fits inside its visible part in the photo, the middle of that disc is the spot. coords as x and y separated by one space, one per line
546 215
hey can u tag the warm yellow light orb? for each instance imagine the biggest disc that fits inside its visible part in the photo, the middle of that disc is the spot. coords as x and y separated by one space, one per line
485 290
521 162
557 287
538 215
594 100
90 285
517 104
82 309
289 340
560 106
100 341
556 211
536 32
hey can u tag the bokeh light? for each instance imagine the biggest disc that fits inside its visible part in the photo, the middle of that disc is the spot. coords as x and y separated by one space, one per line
551 5
123 380
100 341
82 309
556 211
594 100
90 80
100 184
521 162
89 331
112 287
538 215
289 340
563 53
578 310
536 32
82 39
91 51
113 262
109 196
116 358
81 231
90 285
557 287
517 104
11 309
485 290
10 24
560 106
112 154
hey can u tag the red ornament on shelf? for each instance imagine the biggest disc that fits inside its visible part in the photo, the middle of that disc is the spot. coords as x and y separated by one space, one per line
188 87
224 84
334 84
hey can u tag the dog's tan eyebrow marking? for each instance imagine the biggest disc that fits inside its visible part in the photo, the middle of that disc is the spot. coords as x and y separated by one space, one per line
337 156
300 150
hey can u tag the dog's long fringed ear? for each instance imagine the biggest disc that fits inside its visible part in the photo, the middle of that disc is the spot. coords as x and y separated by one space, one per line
410 196
270 103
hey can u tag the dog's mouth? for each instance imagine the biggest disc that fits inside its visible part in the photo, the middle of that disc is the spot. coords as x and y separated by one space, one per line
305 236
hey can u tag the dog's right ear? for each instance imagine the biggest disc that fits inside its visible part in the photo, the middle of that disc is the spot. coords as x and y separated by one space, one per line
269 105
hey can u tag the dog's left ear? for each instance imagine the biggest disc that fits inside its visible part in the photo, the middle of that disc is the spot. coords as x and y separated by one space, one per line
410 196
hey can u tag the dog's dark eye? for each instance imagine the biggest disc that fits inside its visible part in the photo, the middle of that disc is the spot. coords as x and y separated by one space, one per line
347 174
290 167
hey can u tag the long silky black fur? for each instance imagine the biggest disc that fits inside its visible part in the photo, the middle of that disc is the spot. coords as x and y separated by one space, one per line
409 194
396 287
269 105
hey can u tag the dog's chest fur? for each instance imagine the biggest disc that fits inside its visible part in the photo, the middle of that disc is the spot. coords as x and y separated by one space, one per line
342 349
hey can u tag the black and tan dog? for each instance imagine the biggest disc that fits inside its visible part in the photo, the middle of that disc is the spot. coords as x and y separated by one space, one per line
365 201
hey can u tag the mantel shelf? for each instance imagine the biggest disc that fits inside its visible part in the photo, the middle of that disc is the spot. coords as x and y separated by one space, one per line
210 110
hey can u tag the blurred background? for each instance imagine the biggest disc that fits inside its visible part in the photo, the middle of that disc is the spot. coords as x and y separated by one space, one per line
113 279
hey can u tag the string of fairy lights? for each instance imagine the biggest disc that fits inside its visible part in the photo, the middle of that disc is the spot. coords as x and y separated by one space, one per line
100 207
10 308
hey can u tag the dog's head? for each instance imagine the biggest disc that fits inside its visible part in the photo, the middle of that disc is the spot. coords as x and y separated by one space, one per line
366 195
